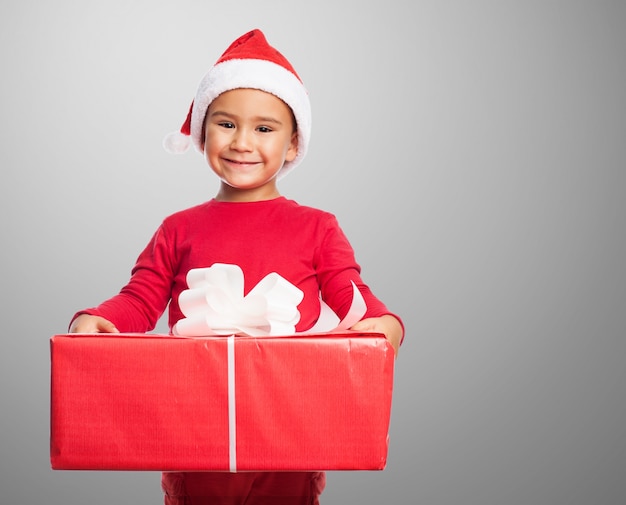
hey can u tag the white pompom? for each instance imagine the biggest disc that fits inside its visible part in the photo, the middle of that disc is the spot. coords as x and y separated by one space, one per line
176 142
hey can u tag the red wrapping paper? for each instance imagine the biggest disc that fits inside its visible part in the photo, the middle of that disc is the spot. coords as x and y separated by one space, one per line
157 402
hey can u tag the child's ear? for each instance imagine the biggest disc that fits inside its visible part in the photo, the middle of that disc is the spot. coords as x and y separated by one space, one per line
203 133
292 152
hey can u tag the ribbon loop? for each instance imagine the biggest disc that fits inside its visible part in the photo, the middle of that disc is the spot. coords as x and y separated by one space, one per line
214 304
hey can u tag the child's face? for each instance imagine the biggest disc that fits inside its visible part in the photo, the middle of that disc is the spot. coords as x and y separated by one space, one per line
248 136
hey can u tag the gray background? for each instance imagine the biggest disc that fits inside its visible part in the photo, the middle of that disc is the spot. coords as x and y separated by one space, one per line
474 153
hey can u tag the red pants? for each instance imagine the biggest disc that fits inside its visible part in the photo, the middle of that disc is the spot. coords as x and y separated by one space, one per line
249 488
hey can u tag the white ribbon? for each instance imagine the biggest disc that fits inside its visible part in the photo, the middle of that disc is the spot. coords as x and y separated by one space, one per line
232 414
215 304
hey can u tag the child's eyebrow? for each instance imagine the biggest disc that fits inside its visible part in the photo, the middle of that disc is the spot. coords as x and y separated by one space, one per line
221 113
268 119
264 119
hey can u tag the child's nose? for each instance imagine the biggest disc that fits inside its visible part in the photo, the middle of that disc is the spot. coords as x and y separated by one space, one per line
241 140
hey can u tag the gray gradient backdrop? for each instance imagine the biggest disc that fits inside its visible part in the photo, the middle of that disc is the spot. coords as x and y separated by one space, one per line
474 153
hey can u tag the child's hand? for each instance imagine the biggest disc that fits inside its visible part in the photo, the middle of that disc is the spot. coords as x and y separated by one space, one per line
387 325
92 324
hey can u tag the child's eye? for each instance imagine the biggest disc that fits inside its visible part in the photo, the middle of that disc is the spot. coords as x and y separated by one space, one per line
226 124
264 129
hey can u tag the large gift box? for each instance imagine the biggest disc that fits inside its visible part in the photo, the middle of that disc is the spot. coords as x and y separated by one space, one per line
221 403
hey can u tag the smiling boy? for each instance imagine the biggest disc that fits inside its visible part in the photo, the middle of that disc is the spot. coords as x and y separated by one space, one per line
251 120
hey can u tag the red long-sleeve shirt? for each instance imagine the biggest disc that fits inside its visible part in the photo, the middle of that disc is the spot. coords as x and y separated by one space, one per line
304 245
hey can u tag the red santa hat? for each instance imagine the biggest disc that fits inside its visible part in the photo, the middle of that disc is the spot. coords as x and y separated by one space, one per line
249 62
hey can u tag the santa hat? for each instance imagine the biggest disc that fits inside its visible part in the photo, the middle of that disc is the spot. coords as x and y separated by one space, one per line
249 62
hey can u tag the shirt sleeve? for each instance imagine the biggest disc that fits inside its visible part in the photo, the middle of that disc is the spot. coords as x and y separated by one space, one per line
336 267
141 302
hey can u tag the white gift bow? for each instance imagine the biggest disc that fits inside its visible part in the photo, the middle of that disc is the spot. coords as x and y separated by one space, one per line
214 304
